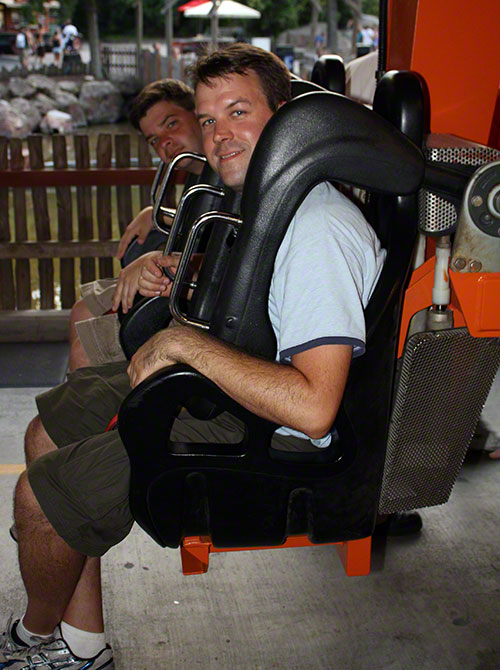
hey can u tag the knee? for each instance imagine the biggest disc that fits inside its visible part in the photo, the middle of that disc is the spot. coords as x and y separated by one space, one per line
79 312
37 441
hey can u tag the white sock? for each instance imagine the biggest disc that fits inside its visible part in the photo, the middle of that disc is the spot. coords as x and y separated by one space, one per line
81 642
27 636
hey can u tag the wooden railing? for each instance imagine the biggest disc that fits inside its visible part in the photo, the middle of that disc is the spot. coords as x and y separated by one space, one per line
65 212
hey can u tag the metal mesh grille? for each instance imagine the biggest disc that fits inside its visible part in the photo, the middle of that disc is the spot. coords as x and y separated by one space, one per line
444 381
437 216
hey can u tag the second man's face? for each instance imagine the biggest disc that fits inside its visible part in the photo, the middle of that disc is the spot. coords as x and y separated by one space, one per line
232 113
171 130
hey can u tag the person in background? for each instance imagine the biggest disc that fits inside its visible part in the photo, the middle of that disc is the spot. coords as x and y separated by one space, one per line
22 47
164 113
69 33
57 41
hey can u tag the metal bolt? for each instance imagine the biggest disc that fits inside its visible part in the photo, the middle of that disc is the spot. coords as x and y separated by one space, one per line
476 201
475 266
459 263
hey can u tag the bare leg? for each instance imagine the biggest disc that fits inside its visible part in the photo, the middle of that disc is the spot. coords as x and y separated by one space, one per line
77 356
36 441
84 610
49 567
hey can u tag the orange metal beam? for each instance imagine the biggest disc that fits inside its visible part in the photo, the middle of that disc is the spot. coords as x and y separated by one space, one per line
454 45
354 554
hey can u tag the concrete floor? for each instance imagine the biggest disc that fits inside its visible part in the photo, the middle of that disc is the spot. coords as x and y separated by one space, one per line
430 603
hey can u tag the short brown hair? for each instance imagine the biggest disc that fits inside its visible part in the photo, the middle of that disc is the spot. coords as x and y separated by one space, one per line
171 90
239 58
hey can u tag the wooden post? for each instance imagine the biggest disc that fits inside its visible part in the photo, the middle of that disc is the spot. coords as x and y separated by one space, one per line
104 154
64 223
7 294
123 193
42 223
144 156
23 272
84 206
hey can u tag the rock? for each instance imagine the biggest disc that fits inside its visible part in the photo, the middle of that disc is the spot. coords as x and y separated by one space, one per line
56 122
12 123
101 101
127 84
67 102
42 83
21 88
43 103
29 110
69 86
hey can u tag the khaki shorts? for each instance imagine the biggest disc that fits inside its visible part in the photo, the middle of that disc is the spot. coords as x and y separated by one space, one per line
98 295
99 336
83 486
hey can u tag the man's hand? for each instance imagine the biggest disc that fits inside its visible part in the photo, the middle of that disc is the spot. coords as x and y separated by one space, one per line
140 226
155 354
153 281
128 281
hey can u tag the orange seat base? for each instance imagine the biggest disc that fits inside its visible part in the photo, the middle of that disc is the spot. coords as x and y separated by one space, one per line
354 554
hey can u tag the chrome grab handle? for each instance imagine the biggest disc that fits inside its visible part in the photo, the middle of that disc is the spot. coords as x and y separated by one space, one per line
178 282
192 192
156 181
158 192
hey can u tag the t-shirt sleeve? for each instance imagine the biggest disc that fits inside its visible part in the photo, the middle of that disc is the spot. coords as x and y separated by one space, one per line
317 288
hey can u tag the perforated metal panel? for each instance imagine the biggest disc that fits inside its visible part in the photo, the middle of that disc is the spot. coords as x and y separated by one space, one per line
444 381
437 216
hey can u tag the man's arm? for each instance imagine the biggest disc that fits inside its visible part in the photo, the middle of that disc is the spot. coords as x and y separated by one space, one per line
304 395
141 225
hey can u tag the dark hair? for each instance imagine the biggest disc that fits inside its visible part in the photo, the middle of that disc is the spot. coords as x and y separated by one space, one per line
170 90
239 58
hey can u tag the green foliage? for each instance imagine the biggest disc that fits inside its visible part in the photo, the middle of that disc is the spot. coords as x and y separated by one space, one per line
280 16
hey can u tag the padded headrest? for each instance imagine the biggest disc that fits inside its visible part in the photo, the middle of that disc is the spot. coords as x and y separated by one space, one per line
329 72
314 138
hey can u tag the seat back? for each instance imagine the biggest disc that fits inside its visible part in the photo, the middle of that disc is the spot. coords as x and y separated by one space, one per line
316 137
329 72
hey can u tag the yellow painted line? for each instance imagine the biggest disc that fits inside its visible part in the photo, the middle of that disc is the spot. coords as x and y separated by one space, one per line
12 468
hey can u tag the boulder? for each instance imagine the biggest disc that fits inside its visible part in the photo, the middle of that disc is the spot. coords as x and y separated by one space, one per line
69 86
70 104
56 122
41 83
21 88
29 110
127 84
43 103
12 123
101 101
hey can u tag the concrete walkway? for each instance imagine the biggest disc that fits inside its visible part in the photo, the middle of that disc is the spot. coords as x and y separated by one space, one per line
430 603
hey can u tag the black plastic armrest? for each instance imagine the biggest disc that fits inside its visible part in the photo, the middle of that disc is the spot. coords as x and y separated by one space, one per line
148 412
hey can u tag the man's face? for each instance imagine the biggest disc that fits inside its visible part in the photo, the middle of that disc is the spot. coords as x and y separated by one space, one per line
172 130
232 112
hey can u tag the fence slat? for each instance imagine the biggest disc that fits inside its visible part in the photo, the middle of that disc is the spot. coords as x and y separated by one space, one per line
55 249
42 224
23 270
123 193
64 223
104 156
7 293
84 206
144 159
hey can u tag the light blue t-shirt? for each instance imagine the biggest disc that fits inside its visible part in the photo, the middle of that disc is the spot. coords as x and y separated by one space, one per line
324 273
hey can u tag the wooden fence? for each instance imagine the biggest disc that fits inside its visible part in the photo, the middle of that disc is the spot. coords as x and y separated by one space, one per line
92 198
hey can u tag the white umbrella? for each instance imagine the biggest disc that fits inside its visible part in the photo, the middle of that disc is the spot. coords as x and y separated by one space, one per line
228 9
